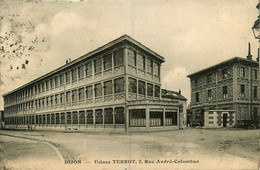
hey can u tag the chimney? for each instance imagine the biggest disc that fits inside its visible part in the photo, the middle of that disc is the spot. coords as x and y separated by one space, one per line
68 60
179 91
249 56
257 59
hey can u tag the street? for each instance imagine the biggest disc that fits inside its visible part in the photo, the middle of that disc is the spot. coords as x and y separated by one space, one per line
179 149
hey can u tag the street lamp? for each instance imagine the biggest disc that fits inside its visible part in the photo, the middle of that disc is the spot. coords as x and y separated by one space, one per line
256 28
256 25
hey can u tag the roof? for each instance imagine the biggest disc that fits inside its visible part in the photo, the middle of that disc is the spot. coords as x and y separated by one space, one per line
235 59
172 94
90 54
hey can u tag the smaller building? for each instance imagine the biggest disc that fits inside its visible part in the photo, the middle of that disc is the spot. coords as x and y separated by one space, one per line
173 95
226 90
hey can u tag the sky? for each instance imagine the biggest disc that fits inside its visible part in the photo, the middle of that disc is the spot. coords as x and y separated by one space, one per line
38 36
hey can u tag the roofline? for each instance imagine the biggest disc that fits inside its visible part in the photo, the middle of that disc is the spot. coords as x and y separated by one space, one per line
89 54
176 97
221 63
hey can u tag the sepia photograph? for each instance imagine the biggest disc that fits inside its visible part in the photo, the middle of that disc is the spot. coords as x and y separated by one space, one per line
129 84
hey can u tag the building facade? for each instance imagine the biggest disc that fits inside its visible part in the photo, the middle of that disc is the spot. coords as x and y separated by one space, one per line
226 94
117 86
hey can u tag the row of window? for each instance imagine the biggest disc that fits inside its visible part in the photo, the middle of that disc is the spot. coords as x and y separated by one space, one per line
224 73
225 93
78 73
74 118
88 92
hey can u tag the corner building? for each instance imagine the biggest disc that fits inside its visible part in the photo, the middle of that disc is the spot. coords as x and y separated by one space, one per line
226 94
117 86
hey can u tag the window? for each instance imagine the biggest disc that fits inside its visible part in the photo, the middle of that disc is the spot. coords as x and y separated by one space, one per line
61 80
157 91
119 57
141 87
255 73
141 62
56 79
98 90
108 87
156 69
39 89
43 89
74 95
196 82
197 97
242 90
119 85
89 92
51 100
131 58
51 82
47 85
107 61
97 65
224 74
47 101
80 72
68 96
255 91
67 74
74 75
211 117
225 92
209 78
56 99
150 66
88 69
132 85
137 118
209 95
81 93
242 72
43 101
149 89
62 98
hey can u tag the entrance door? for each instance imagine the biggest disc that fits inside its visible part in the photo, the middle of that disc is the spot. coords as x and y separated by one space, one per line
225 120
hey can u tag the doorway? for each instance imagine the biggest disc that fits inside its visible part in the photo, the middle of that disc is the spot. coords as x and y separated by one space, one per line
225 120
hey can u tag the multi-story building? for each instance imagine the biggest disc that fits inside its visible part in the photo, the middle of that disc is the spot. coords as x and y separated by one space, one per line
226 94
116 86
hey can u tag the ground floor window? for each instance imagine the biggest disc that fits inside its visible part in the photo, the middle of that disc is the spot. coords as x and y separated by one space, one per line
62 118
89 117
40 119
37 119
171 118
57 118
52 119
48 118
119 116
108 116
156 118
137 118
44 119
99 116
75 117
81 117
68 118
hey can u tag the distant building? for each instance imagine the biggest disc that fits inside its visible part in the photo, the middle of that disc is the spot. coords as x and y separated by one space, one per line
226 94
1 119
116 86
